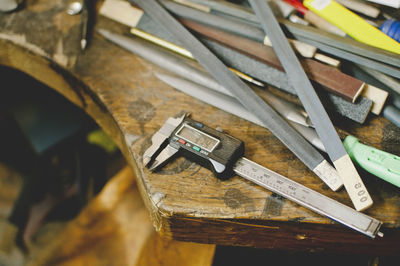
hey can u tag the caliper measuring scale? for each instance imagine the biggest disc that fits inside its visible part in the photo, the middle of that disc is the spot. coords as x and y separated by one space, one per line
223 154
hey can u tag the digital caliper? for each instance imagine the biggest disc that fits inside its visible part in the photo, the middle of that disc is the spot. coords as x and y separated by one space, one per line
223 154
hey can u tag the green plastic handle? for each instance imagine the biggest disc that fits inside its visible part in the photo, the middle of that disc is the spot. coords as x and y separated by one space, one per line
382 164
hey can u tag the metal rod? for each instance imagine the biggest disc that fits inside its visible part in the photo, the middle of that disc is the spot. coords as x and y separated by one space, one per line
275 123
313 106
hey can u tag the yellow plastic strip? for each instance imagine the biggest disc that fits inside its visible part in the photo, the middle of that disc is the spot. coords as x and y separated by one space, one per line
352 24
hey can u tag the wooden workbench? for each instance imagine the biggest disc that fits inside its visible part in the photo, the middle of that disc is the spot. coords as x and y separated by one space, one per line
120 91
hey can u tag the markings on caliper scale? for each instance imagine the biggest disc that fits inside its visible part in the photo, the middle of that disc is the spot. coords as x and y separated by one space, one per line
223 154
308 198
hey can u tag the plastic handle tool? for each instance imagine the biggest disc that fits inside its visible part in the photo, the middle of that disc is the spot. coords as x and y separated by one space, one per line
380 163
391 28
352 24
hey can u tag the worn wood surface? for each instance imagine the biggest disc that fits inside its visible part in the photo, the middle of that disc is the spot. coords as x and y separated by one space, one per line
121 92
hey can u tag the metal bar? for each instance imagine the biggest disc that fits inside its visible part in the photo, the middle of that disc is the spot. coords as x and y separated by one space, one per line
313 106
378 59
384 68
308 197
332 79
182 51
357 111
223 101
311 33
275 123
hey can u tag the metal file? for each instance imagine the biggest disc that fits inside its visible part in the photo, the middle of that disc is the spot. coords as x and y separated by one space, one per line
223 154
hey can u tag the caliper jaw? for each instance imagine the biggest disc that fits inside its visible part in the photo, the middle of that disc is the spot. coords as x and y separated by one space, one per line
163 156
160 137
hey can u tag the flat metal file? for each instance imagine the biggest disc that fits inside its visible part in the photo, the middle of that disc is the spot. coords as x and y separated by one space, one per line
306 50
355 58
199 143
174 64
288 110
380 163
331 78
341 47
391 110
223 101
275 123
354 185
296 29
393 85
392 114
357 111
181 67
126 14
182 51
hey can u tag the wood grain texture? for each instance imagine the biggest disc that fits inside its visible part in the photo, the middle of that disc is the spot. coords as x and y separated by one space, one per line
121 92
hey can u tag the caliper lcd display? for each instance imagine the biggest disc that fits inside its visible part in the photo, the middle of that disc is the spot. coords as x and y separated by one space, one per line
197 137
